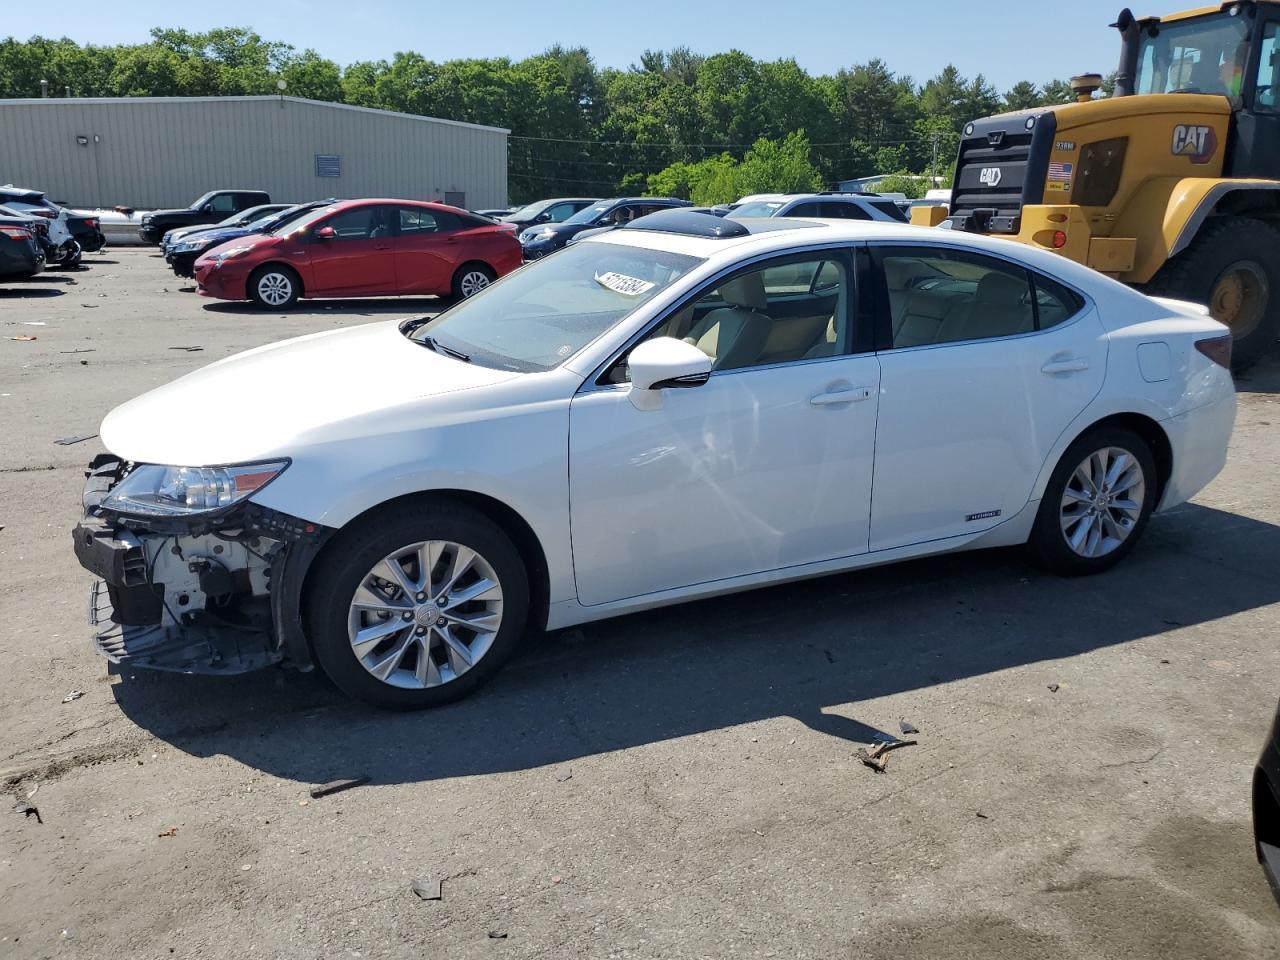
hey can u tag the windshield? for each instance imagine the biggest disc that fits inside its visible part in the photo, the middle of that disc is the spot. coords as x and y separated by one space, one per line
590 214
530 211
541 315
763 209
1201 55
304 221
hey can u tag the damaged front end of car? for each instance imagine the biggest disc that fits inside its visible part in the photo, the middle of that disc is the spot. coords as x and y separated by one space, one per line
193 576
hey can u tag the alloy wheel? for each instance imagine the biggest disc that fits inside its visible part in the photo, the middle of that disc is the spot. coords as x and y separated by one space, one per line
275 289
1102 502
472 282
425 614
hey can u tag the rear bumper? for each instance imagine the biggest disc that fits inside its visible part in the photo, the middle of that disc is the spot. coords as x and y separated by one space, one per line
1199 440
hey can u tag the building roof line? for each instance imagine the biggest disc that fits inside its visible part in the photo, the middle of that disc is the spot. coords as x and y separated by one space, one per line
66 101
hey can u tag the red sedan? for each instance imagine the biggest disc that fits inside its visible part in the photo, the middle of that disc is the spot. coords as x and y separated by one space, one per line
362 248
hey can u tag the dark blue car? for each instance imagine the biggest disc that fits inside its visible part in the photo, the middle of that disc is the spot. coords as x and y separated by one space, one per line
549 237
182 254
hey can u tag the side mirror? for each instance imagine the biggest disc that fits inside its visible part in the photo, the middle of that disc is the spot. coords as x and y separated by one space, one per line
325 233
542 218
661 363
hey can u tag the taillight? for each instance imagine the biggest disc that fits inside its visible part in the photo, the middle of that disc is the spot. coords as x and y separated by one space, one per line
91 224
1217 349
15 233
1059 239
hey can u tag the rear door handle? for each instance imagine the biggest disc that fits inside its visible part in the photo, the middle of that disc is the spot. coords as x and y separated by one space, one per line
1072 365
852 395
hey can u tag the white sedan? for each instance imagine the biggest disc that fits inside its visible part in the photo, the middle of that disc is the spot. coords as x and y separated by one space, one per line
683 407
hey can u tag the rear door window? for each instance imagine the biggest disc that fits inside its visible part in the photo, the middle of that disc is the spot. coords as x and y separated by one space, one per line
225 203
837 210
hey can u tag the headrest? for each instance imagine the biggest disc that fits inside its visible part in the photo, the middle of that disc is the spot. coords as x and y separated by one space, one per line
745 291
997 287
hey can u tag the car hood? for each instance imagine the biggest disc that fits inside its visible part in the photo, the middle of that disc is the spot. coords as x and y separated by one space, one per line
274 400
216 236
562 229
168 213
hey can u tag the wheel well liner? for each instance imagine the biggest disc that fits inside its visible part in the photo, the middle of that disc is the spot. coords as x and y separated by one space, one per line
1150 431
511 522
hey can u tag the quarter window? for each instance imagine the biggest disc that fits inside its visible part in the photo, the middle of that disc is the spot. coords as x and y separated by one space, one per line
417 220
948 296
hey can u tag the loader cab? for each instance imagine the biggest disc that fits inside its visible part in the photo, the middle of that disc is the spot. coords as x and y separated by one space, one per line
1229 52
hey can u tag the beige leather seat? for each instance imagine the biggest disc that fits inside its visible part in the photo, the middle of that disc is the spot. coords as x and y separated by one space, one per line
734 335
1000 308
827 344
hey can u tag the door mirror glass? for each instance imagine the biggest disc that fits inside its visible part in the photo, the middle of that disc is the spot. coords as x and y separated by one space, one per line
665 362
325 233
542 218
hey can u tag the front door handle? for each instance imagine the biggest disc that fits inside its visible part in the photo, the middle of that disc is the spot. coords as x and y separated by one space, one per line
852 395
1072 365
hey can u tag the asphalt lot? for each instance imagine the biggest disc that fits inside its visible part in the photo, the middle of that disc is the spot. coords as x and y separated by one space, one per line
674 784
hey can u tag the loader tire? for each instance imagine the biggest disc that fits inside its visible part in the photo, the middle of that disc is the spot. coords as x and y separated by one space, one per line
1233 266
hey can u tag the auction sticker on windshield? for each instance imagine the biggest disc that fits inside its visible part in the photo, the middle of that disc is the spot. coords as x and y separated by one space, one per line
621 283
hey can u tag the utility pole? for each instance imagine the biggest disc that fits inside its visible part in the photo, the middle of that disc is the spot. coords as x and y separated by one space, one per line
933 167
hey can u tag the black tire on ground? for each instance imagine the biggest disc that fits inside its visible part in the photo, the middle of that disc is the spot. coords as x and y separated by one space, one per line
465 279
354 552
274 286
1048 542
1232 262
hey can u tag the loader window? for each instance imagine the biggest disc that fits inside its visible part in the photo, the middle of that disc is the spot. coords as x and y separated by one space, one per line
1201 55
1265 100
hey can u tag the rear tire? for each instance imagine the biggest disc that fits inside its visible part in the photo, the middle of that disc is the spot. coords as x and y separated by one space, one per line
352 593
274 286
471 278
1085 526
1233 265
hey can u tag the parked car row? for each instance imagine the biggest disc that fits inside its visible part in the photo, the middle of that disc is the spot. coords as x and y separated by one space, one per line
36 233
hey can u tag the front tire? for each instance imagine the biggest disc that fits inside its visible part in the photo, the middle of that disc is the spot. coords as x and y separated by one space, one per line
470 279
1096 504
417 605
1233 265
274 287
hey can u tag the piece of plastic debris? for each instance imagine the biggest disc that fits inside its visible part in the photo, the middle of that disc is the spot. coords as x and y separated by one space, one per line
73 695
906 726
84 350
90 306
24 337
171 832
427 889
980 815
303 802
188 349
1053 688
497 935
563 777
337 786
556 879
34 323
1164 661
78 438
27 810
247 866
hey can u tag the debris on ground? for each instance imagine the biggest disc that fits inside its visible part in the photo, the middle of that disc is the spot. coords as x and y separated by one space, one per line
1053 688
873 759
565 776
869 760
188 349
24 337
980 815
27 809
34 323
171 832
73 695
497 935
906 726
84 350
337 786
90 306
78 438
1164 661
427 889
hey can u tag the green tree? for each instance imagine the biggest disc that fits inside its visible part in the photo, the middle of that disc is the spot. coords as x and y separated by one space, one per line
1022 95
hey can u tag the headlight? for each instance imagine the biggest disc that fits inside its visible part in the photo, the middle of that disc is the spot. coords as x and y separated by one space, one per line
232 252
186 246
160 491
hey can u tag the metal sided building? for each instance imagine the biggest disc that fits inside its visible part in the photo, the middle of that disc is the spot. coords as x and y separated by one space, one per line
151 152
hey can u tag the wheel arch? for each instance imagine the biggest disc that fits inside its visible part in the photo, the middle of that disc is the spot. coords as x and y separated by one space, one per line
1144 426
475 262
512 523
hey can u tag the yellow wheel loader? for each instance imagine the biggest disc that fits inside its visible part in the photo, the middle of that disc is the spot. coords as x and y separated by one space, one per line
1172 184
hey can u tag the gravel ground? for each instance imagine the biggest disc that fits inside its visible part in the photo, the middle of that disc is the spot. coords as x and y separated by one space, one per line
673 784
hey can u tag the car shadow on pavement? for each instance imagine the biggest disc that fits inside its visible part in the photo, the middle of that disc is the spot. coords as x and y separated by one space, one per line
1262 377
812 650
401 306
29 293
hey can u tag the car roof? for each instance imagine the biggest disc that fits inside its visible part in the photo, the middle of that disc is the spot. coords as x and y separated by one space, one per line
780 234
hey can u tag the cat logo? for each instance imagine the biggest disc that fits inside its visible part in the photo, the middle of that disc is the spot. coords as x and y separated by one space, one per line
990 176
1195 142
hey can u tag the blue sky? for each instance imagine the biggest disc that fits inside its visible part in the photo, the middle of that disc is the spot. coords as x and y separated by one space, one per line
1006 40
